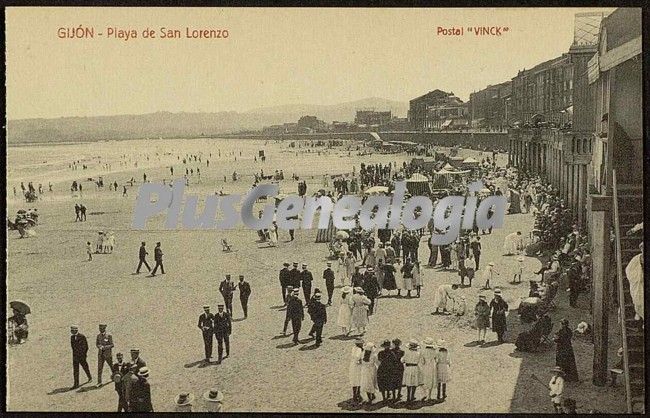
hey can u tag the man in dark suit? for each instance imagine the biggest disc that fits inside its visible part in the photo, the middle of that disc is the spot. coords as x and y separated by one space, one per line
475 246
136 359
120 369
244 294
294 277
318 314
286 313
328 275
227 287
143 258
306 278
206 326
295 313
158 256
284 281
222 330
79 346
104 343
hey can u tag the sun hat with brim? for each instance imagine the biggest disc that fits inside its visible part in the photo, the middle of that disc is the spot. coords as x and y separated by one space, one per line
213 395
491 263
442 343
557 369
482 297
413 343
428 342
143 372
497 291
183 399
346 289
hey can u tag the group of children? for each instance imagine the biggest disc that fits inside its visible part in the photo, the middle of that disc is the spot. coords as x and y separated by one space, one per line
104 245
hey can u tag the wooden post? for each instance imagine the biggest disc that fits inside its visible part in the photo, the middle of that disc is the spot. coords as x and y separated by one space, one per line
601 219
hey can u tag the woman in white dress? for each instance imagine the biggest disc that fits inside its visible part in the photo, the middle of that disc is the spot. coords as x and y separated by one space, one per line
369 365
345 310
417 278
273 235
412 359
442 369
360 310
428 372
354 370
349 268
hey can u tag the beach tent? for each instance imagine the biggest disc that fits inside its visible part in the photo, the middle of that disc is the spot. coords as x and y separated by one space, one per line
418 185
445 177
326 235
470 163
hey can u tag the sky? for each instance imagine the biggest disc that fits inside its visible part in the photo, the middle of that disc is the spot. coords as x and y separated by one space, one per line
271 57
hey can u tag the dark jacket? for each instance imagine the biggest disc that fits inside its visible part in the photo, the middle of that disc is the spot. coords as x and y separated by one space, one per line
79 346
205 321
306 277
244 289
222 324
294 277
328 275
226 288
295 309
318 312
157 254
140 395
284 277
143 252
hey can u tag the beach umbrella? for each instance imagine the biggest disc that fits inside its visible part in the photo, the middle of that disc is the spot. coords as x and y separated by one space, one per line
342 235
20 306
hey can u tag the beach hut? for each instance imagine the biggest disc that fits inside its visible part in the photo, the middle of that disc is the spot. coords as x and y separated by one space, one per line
447 176
418 185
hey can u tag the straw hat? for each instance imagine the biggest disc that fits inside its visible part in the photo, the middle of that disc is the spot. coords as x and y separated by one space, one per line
428 342
491 263
557 369
442 343
413 343
213 395
143 372
183 399
346 289
482 297
520 258
497 291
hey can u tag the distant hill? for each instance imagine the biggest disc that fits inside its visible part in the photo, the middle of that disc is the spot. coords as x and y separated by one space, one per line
167 124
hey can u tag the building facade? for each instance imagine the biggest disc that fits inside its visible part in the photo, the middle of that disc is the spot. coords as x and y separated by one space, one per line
488 109
371 117
544 92
437 110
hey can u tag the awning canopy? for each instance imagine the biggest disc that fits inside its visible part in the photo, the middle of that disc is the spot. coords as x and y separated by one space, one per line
448 167
418 178
446 123
470 160
444 172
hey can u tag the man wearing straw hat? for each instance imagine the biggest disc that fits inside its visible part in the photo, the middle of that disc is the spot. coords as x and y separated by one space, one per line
556 388
318 313
499 308
284 281
120 369
206 326
222 331
104 343
214 400
295 313
328 276
79 345
140 396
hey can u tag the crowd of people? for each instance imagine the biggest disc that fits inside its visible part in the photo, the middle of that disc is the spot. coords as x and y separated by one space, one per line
388 368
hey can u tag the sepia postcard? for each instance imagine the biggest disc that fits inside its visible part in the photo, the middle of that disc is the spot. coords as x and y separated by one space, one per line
325 210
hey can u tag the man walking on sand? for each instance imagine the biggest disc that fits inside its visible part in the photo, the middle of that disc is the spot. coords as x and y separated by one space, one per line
143 258
158 256
104 343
